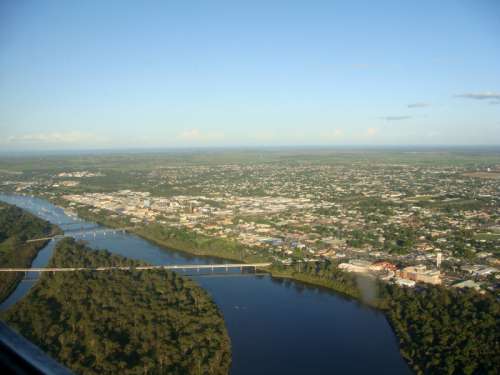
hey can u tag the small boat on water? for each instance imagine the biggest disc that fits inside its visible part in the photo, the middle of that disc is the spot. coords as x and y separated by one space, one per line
70 212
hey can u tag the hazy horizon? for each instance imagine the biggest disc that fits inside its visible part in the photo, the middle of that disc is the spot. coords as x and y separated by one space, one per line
266 149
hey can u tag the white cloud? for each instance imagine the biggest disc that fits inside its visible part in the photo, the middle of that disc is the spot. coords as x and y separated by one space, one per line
55 138
419 105
480 96
395 118
195 135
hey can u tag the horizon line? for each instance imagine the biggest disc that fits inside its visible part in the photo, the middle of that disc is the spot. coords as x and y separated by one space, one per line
240 147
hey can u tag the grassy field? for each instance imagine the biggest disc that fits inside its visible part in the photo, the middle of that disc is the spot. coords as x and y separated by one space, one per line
487 236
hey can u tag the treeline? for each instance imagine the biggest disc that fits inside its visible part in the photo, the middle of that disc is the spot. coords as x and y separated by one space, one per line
190 241
147 322
198 244
325 274
446 331
177 238
441 331
18 223
16 226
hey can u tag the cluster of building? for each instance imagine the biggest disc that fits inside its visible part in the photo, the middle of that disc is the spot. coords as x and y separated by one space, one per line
356 213
286 227
80 174
406 276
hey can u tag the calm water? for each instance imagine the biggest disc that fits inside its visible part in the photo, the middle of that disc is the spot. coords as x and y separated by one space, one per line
276 326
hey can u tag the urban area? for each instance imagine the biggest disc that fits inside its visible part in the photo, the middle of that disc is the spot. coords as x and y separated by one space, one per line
402 222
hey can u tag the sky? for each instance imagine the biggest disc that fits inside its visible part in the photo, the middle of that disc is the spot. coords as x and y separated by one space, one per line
138 74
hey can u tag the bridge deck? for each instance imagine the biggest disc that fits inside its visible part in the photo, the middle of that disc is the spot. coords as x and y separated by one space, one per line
81 232
140 268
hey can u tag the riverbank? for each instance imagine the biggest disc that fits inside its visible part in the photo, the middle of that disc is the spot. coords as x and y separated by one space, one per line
171 238
17 225
194 244
434 336
122 321
24 259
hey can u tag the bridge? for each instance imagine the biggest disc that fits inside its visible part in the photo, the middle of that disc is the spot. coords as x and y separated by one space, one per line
81 233
197 267
70 223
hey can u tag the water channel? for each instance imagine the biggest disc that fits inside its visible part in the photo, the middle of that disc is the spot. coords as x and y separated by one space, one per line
276 326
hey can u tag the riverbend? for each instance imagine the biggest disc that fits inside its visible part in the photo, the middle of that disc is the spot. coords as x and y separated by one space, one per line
275 325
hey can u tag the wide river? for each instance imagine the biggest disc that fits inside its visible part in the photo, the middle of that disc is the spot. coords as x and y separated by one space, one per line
276 326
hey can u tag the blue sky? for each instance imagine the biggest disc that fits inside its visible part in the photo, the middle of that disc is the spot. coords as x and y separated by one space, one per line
114 74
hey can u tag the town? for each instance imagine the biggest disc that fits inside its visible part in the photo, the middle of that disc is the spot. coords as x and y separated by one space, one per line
400 222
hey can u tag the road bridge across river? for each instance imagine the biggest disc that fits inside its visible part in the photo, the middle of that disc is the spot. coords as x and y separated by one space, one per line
82 233
197 267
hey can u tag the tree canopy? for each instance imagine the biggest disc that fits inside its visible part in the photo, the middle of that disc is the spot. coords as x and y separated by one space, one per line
122 321
16 226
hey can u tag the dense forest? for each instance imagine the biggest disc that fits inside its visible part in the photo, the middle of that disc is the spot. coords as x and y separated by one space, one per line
441 331
445 331
16 226
122 321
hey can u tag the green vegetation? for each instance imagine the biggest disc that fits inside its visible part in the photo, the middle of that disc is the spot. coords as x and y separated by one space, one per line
178 239
399 239
16 226
197 244
445 331
325 274
440 330
486 236
454 205
169 173
403 203
122 321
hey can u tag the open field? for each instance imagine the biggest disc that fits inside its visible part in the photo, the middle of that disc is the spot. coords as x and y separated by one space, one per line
492 175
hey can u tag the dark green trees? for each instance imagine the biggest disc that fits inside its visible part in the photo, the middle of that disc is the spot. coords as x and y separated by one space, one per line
444 331
122 321
16 226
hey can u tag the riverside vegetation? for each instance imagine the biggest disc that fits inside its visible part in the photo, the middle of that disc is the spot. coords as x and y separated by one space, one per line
122 321
17 226
440 330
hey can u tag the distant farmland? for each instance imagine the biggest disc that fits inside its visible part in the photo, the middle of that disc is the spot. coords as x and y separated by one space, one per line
492 175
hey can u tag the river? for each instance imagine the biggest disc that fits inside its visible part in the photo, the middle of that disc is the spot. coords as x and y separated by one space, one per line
276 326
